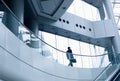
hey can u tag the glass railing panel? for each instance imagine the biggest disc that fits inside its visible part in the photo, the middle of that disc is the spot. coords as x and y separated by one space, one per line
52 51
102 75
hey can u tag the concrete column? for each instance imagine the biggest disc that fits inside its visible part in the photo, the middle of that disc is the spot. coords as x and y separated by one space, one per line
111 53
17 7
102 13
116 38
34 28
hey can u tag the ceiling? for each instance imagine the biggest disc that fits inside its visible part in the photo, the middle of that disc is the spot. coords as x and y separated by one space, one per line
52 9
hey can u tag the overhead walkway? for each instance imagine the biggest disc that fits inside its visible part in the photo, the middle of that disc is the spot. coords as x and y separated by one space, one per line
20 62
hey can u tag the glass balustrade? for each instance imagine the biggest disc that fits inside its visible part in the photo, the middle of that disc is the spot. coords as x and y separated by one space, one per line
86 55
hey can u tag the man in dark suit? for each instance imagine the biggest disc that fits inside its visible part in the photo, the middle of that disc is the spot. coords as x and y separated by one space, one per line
69 56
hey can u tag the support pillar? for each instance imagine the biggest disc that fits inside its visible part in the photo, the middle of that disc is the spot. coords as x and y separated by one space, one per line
101 11
111 54
17 7
116 38
34 28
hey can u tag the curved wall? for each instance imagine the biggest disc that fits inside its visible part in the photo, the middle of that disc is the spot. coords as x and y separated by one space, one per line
18 62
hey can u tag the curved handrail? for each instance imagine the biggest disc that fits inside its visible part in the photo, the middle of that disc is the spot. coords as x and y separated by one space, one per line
46 44
38 69
101 73
43 40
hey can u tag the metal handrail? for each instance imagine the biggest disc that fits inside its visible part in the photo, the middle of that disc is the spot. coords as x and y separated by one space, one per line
43 40
112 75
36 68
102 72
55 47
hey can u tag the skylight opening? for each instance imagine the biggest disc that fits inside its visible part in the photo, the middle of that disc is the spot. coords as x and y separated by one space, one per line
84 10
